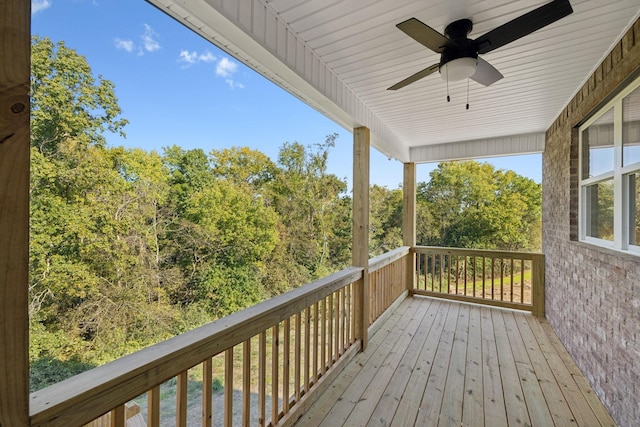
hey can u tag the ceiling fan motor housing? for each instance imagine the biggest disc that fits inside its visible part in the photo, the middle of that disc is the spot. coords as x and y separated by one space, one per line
459 48
459 45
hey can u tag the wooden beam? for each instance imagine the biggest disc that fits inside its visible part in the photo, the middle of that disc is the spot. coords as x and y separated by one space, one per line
409 221
15 51
537 285
360 245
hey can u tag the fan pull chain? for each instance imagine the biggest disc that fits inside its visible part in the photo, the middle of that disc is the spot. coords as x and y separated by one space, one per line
468 94
447 71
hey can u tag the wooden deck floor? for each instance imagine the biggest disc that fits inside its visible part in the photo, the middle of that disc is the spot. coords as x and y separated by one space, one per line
441 363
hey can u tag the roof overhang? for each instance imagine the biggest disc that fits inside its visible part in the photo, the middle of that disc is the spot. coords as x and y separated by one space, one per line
340 57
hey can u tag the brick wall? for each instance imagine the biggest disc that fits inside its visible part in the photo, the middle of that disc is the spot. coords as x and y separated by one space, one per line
592 294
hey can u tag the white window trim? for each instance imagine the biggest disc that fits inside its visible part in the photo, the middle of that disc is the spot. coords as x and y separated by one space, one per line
620 180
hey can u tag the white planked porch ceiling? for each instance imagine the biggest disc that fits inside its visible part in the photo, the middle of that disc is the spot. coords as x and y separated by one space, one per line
339 56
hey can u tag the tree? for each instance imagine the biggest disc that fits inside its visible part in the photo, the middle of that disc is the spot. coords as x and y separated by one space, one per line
311 207
97 283
385 219
243 165
66 100
189 171
477 206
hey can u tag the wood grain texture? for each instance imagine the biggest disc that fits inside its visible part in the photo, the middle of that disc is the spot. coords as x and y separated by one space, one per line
14 211
409 221
437 362
360 233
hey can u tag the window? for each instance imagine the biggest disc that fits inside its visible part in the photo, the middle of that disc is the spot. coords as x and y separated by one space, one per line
610 173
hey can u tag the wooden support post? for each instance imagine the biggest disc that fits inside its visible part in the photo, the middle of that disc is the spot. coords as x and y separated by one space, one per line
15 52
409 221
360 245
537 285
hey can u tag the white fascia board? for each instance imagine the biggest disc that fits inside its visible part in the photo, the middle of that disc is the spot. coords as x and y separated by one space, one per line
479 148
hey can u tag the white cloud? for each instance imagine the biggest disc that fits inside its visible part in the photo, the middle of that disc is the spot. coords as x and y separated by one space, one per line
149 42
125 45
226 67
149 39
194 57
207 57
233 84
39 6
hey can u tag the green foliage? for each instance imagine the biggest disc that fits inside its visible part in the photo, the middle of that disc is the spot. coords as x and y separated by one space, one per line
311 206
46 371
243 166
476 206
67 101
385 219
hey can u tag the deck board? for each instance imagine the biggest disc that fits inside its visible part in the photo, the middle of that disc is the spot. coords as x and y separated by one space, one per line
436 362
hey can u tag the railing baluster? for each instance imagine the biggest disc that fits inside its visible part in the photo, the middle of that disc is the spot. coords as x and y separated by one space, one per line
307 348
338 326
181 399
323 337
511 266
330 336
317 330
421 259
262 379
246 382
228 387
286 352
207 388
521 281
343 321
298 357
153 407
118 417
275 364
493 275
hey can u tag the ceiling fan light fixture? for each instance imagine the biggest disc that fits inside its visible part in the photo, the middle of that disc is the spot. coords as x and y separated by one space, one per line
458 69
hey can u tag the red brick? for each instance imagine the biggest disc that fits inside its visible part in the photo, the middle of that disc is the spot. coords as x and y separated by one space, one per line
592 294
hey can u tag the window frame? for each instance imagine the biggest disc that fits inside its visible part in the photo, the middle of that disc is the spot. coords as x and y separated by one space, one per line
620 175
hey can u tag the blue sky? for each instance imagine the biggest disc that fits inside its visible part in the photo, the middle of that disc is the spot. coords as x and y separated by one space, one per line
176 88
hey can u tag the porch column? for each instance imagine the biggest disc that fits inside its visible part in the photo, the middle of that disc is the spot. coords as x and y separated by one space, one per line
409 221
15 51
360 245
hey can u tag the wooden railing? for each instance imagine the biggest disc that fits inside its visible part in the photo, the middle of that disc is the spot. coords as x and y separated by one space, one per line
505 279
256 365
387 280
260 366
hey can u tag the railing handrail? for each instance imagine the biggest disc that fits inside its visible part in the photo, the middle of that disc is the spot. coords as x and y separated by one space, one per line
492 252
101 389
387 258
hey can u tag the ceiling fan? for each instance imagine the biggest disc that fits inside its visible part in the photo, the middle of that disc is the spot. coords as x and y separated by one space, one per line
459 55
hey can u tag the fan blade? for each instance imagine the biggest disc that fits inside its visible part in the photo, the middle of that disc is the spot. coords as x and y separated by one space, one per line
523 25
486 74
423 34
414 78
